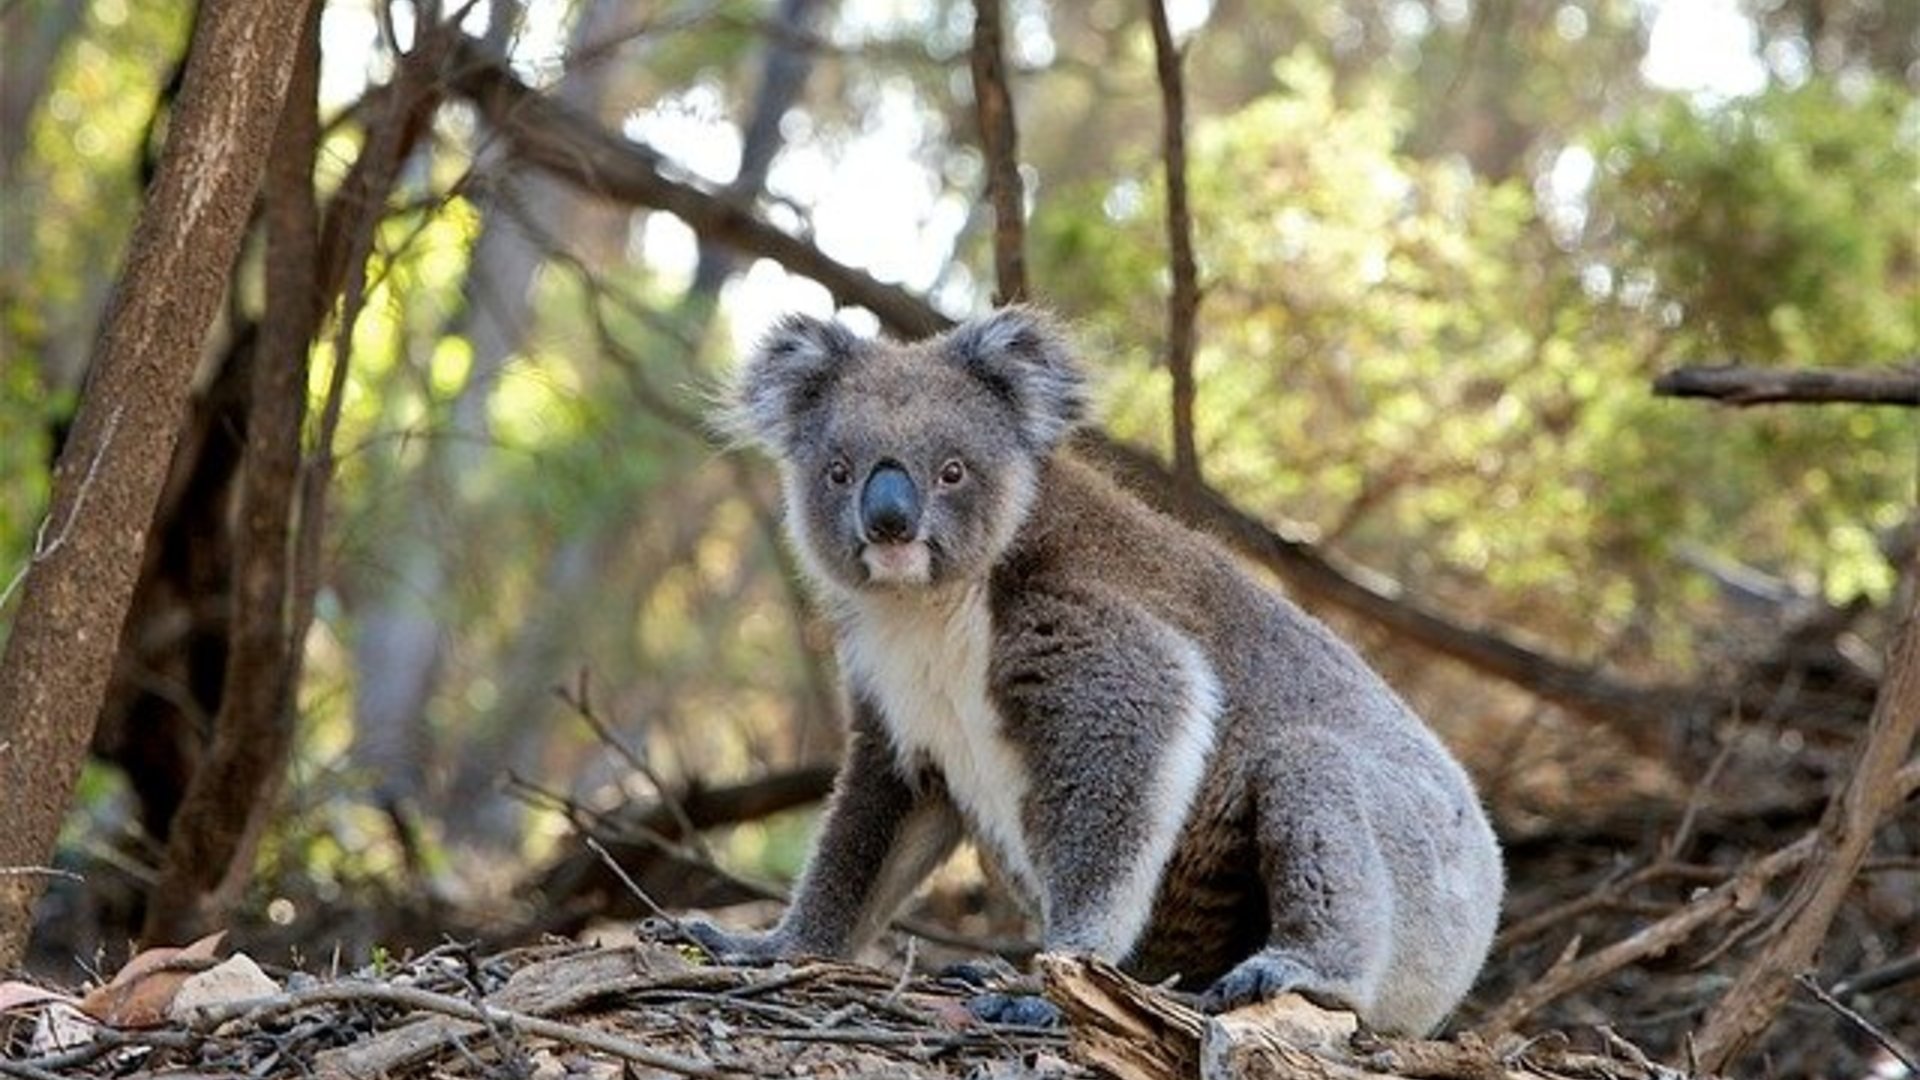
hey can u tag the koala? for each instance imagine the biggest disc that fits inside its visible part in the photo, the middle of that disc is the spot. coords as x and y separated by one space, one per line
1178 769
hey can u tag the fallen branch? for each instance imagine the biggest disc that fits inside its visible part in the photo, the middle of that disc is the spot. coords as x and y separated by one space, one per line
534 993
1568 974
1737 385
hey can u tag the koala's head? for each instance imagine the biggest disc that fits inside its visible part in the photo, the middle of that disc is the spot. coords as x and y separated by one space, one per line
908 466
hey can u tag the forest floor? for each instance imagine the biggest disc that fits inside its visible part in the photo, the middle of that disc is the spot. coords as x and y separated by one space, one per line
653 1010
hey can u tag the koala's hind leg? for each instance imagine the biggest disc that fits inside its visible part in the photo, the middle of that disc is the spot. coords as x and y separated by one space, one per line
1330 893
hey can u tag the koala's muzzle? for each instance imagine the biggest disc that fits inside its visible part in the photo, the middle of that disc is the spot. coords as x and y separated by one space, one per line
889 506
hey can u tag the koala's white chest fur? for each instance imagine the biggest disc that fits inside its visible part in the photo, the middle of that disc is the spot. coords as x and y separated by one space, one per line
924 658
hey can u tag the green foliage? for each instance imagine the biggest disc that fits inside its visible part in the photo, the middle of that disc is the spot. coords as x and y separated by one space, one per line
1407 359
1782 226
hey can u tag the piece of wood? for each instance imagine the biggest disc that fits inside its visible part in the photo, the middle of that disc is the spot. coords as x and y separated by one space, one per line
1739 385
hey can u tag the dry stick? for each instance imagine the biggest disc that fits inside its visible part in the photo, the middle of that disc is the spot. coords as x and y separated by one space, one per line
1870 794
1567 974
1741 891
1183 301
999 140
1617 886
1893 1046
580 700
1736 385
407 997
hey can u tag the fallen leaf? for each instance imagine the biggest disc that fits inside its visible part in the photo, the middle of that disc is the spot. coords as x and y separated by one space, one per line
16 996
237 978
141 991
60 1027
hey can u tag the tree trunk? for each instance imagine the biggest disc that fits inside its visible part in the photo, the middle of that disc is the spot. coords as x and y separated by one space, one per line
230 795
60 654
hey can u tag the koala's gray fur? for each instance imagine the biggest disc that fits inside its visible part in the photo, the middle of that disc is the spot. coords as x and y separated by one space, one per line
1180 770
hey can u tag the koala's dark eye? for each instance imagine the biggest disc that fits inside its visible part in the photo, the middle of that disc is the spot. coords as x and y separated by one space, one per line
952 472
840 473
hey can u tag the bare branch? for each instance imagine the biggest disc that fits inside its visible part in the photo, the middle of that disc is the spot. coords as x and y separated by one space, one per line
574 147
1569 974
1183 301
999 140
1737 385
1872 792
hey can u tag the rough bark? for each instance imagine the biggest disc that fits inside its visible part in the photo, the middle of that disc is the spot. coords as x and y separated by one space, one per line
1000 144
54 673
230 793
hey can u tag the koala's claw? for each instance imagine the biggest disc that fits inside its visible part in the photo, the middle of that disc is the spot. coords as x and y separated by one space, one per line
725 947
979 974
1022 1010
1256 979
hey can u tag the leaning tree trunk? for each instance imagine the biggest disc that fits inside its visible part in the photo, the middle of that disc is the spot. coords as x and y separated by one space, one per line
59 656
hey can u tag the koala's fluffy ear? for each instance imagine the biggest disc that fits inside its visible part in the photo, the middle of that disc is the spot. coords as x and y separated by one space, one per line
1023 356
793 367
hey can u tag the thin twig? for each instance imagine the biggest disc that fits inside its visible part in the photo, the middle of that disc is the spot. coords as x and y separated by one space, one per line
1893 1046
40 871
407 997
1183 300
580 700
1568 974
42 550
626 879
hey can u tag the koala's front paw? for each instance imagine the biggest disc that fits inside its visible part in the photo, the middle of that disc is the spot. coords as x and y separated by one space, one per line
1023 1010
724 946
1257 978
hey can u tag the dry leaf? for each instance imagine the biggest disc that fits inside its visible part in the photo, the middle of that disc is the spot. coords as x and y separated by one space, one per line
237 978
141 992
60 1027
17 996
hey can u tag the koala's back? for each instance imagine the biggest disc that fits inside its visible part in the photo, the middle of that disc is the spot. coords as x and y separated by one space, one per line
1300 713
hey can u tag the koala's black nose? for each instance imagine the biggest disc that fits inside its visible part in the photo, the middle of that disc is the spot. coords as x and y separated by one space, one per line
889 505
